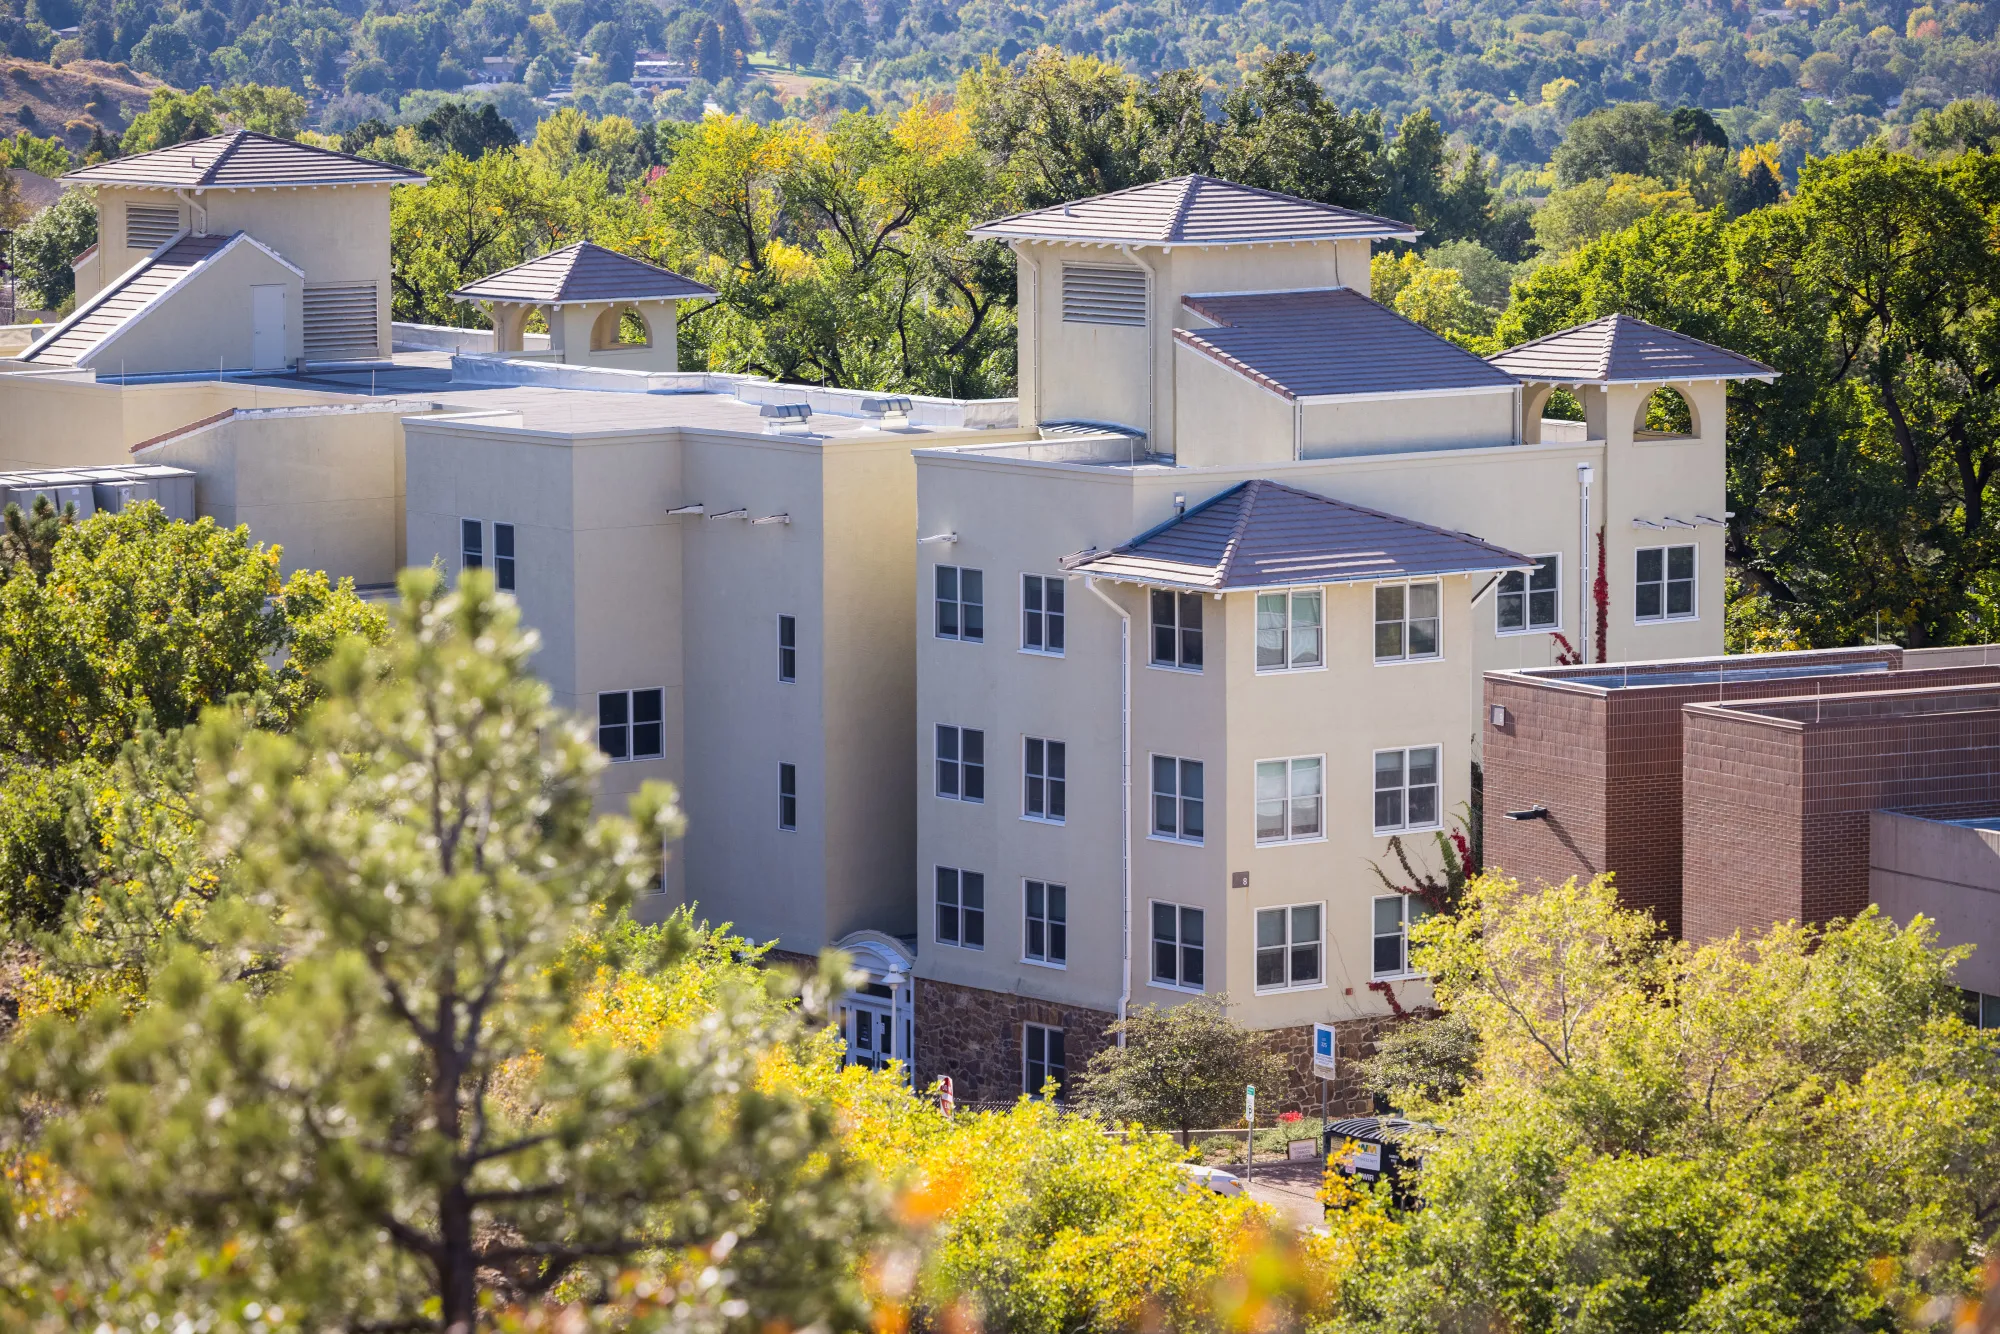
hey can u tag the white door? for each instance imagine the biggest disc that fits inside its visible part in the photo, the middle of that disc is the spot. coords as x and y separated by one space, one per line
267 326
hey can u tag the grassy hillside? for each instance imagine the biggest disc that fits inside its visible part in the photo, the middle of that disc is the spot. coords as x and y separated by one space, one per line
69 101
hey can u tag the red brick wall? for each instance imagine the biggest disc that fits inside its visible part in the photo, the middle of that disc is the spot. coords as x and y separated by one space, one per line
1743 843
1550 751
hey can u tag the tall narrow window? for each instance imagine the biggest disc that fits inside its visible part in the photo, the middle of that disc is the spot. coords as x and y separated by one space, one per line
1044 782
631 723
1288 947
961 763
1406 621
1665 590
1046 935
961 908
788 796
1043 1048
1406 789
1289 798
503 557
1395 914
961 604
471 544
1530 600
1289 631
1178 946
1177 798
1042 614
788 648
1176 629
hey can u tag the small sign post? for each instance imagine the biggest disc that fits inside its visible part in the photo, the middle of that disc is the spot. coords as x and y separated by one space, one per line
1326 1064
1249 1128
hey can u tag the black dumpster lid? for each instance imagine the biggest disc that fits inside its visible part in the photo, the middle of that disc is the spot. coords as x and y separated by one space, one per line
1375 1129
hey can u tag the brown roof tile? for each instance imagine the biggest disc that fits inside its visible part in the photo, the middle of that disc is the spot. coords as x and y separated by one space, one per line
1619 349
1193 210
241 160
583 272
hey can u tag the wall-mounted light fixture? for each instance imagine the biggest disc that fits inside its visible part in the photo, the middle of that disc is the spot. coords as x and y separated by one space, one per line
1535 812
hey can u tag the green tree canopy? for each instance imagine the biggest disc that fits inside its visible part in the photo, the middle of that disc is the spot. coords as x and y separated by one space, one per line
1182 1067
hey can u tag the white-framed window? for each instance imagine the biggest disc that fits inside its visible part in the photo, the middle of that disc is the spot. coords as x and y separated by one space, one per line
961 604
1177 799
788 648
1291 798
1529 600
1665 586
1289 947
1982 1009
1179 943
631 723
1176 629
788 796
1291 630
961 763
1406 621
1045 937
961 908
1406 789
1042 1059
1042 614
1395 914
1044 780
471 544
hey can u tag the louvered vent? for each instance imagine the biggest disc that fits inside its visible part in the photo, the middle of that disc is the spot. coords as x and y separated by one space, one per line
341 321
1103 296
148 227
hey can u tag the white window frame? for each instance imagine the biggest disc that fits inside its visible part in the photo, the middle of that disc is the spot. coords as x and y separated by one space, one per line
1287 947
959 764
1050 626
958 905
1292 597
1179 946
1409 911
1377 622
788 796
1291 763
1527 594
1180 799
1666 582
958 602
1181 599
630 724
503 562
1406 827
1054 780
1054 918
469 557
788 652
1061 1068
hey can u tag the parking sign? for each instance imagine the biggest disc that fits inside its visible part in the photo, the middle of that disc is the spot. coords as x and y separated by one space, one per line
1324 1051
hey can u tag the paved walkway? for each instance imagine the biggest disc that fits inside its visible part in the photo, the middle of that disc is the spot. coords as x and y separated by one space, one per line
1289 1188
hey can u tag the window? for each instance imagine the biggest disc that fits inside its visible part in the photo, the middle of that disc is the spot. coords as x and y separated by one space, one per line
788 796
961 604
1044 788
1043 1048
1395 914
961 763
471 544
1176 629
1042 614
1101 295
1288 947
629 723
1406 789
1289 634
1666 584
148 227
1530 600
1177 799
788 648
1289 796
1981 1011
503 557
1177 946
1406 621
1047 937
961 908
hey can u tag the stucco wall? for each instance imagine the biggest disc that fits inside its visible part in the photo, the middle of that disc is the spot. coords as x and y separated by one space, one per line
205 323
1950 874
57 423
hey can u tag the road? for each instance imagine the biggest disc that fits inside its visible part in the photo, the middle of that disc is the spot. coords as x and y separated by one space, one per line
1289 1188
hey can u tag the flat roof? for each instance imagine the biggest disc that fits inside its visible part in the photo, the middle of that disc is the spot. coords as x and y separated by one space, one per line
1798 664
1861 706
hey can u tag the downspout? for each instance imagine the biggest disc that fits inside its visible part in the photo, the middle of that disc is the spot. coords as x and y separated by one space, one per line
200 227
1125 794
1034 330
1298 429
1584 473
1152 349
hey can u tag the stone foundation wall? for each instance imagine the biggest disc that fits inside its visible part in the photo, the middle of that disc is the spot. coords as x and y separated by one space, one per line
974 1036
1353 1040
